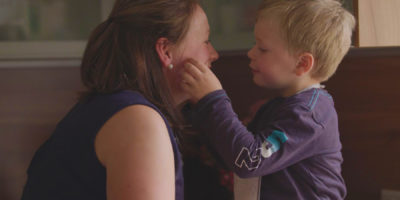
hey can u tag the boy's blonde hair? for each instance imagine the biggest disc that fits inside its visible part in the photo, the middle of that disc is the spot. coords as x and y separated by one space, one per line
320 27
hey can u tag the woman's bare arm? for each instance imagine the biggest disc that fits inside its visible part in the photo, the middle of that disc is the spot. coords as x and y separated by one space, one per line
136 150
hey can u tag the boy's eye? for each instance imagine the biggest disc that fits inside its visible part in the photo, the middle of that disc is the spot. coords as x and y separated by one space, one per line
259 48
262 50
207 42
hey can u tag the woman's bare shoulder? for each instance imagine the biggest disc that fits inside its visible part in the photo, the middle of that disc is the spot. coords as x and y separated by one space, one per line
135 148
133 125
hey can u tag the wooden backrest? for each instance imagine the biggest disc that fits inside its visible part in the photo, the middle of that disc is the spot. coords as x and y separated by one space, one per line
366 89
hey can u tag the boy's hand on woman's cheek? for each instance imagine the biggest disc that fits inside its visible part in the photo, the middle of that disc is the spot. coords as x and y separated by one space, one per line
198 80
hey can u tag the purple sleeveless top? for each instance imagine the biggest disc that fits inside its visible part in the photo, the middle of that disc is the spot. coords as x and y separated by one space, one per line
66 165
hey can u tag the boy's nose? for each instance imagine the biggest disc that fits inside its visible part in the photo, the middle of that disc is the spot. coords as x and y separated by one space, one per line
250 53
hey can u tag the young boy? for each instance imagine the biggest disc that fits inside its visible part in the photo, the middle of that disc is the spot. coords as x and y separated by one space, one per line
293 142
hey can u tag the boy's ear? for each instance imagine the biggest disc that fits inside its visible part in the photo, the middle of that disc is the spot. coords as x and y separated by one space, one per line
305 64
163 48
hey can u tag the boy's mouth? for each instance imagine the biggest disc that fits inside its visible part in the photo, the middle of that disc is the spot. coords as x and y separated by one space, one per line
254 70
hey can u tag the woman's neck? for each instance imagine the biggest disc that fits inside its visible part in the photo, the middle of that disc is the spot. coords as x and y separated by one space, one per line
179 98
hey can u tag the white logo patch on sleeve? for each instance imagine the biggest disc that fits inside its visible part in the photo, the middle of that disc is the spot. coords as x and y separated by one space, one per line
244 158
252 160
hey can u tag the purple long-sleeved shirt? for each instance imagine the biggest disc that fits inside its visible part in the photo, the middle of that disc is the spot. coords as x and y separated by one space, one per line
292 143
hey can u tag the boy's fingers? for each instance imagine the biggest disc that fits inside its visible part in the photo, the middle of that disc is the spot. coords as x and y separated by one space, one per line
193 70
185 86
198 65
187 78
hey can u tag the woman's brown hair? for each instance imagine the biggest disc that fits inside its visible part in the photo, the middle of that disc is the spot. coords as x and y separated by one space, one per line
121 54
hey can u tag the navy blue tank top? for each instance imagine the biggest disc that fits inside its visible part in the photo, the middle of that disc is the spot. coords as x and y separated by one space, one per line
66 165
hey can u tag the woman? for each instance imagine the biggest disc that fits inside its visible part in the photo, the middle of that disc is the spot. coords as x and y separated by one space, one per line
118 142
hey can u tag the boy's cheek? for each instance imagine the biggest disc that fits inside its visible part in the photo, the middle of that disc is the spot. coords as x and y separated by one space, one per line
262 79
271 79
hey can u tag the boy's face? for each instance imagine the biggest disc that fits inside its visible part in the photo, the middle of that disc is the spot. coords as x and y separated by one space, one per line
272 64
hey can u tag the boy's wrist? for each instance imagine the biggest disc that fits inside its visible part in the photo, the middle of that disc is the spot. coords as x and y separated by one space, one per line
200 111
196 100
209 98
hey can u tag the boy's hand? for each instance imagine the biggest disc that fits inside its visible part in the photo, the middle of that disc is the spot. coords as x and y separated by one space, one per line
198 80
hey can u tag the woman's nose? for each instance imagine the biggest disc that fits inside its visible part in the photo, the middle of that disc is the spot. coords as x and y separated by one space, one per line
214 54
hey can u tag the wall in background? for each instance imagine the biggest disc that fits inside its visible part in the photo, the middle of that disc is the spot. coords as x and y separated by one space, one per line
32 101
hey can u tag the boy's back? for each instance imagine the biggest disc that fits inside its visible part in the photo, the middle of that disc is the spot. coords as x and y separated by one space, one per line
310 123
295 145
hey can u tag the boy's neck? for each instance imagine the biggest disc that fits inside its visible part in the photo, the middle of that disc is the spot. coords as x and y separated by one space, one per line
297 87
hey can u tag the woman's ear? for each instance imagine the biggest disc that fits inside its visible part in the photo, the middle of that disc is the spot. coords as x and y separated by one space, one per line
305 64
163 48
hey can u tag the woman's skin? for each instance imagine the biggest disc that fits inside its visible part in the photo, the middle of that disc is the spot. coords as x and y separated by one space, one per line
134 145
196 45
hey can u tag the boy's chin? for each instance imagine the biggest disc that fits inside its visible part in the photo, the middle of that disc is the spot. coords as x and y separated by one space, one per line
266 85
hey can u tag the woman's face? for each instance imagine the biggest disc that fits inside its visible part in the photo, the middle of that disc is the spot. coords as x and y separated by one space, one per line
195 45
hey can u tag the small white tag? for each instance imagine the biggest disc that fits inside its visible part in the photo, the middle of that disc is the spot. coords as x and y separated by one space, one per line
246 189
